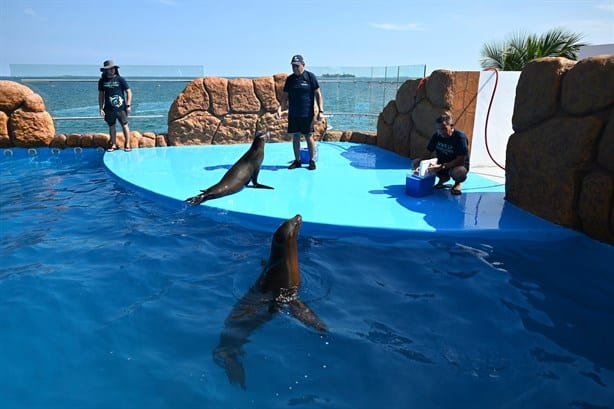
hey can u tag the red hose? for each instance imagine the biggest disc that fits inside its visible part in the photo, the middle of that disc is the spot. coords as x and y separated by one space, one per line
492 97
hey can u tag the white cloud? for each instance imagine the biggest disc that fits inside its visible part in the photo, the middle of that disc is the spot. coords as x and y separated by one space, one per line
30 12
606 7
396 27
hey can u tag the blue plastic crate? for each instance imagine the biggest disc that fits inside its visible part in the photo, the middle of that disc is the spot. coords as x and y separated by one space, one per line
418 187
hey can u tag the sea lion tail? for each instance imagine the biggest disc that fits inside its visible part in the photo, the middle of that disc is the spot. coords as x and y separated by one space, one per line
229 360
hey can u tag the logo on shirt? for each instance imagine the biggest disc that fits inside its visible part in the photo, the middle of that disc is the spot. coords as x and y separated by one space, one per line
116 100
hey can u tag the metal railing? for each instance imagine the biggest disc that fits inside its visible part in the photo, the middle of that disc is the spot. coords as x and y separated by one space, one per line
353 96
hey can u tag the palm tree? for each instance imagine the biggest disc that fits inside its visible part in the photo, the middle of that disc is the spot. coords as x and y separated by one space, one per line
519 49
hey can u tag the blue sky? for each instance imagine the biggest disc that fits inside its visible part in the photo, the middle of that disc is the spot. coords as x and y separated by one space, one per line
252 38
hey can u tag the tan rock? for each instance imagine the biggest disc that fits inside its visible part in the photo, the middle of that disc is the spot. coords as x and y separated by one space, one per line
5 141
384 134
4 121
346 136
147 142
87 141
408 95
418 143
546 186
538 91
73 140
12 95
401 130
135 139
390 112
101 140
161 141
193 98
319 128
368 138
596 204
280 81
34 103
236 128
58 141
241 96
440 88
218 95
424 116
332 136
264 87
276 128
605 151
588 86
196 128
31 129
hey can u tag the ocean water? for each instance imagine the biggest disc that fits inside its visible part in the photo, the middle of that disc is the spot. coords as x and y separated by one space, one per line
109 300
351 104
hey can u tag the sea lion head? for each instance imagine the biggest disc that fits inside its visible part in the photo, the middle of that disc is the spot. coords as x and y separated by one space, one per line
260 139
288 230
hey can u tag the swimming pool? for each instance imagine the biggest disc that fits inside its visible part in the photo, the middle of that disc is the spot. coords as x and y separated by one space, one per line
110 300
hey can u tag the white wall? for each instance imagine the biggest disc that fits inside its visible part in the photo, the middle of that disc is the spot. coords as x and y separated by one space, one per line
499 120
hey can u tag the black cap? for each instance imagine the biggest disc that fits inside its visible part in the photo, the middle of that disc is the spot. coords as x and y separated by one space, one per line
297 60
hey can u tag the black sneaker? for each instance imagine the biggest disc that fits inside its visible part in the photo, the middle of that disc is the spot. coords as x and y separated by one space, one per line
312 165
295 164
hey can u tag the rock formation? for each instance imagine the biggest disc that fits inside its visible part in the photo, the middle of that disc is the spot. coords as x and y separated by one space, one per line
214 110
24 122
407 123
560 159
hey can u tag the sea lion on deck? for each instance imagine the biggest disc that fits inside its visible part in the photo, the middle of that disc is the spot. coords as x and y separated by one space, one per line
276 288
239 175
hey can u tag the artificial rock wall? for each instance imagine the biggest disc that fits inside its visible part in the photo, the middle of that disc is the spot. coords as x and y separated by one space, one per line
214 110
560 159
407 123
24 121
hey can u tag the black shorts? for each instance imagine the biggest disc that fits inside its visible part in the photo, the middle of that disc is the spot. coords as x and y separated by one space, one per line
299 125
111 116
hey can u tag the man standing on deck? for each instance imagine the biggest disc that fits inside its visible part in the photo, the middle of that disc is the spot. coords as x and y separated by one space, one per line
300 91
451 148
113 103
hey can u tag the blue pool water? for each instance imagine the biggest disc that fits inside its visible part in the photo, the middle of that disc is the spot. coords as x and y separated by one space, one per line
110 300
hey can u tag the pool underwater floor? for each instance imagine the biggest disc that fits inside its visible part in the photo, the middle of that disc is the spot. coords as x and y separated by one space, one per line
357 188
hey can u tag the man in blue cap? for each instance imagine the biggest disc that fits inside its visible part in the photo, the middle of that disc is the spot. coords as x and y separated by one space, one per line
301 90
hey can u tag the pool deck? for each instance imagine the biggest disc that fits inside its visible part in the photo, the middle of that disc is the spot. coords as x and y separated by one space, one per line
357 188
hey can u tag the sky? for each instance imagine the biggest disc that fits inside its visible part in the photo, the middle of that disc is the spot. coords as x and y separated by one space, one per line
252 38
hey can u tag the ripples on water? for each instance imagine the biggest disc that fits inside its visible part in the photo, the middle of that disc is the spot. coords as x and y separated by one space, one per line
109 300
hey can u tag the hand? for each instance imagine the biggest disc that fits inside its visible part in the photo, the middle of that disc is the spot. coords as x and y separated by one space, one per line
128 108
320 116
101 112
278 113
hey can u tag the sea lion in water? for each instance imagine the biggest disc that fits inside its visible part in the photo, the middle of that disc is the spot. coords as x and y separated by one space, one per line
239 175
276 288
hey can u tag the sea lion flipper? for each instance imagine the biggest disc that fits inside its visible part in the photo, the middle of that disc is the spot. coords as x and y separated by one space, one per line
304 314
232 365
261 186
196 200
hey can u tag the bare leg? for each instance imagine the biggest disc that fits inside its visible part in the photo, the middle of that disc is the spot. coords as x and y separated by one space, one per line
296 145
126 131
310 145
113 134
